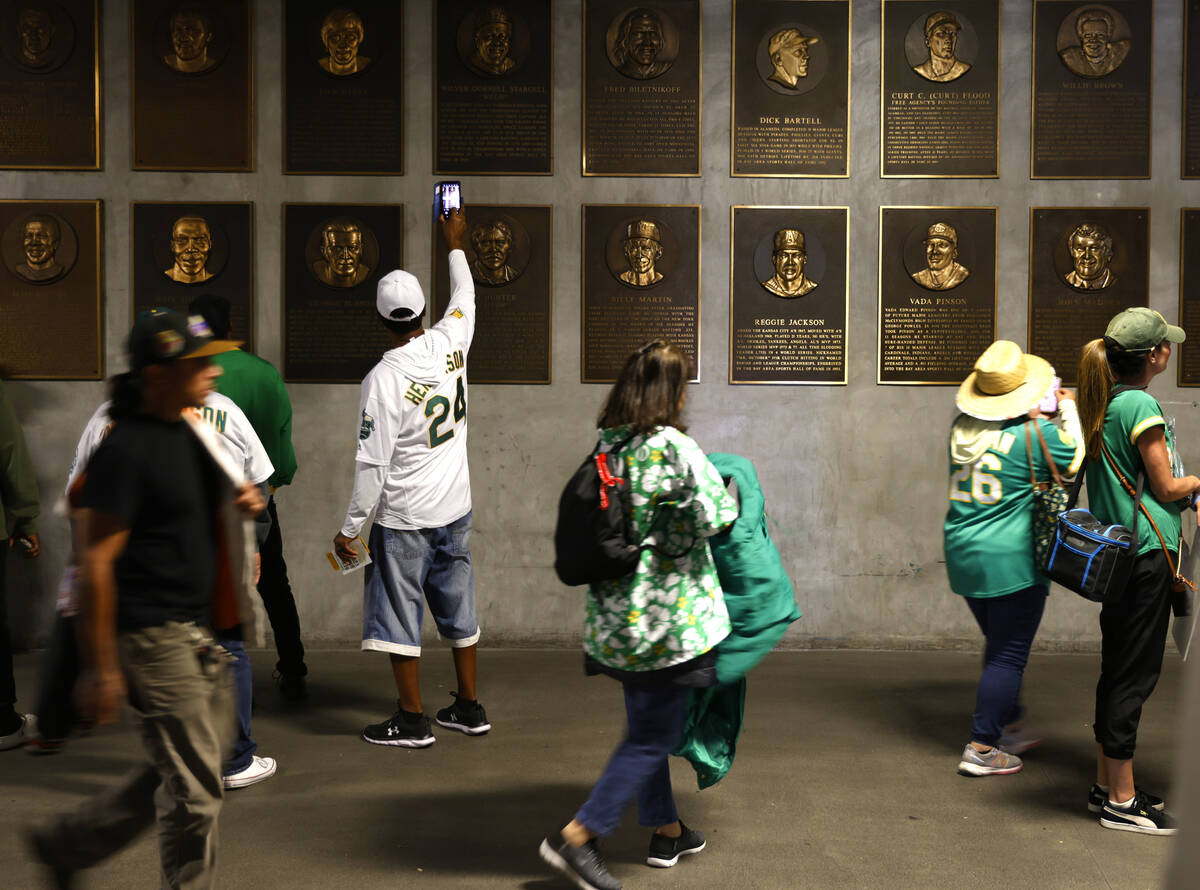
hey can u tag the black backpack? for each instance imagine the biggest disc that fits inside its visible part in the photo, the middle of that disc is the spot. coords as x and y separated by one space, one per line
593 539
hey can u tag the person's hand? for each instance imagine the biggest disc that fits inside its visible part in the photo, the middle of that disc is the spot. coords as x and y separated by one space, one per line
31 544
249 500
454 228
341 546
1065 395
257 568
100 693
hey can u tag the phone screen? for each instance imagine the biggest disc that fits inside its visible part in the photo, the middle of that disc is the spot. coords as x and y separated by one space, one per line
447 196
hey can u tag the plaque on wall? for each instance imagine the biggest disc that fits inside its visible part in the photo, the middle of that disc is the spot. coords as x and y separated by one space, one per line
939 95
1086 265
51 308
50 86
193 86
181 251
1091 89
641 281
1191 90
491 97
343 86
333 256
1189 296
937 292
788 300
641 88
791 88
509 250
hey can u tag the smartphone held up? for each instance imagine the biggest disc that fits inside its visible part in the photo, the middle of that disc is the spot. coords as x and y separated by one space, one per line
447 197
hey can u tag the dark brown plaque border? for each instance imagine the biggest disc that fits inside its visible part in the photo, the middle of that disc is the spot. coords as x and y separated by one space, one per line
283 272
845 289
879 286
1033 114
98 112
283 122
250 302
1183 115
999 115
251 147
699 208
1183 215
699 174
549 303
733 109
100 296
434 87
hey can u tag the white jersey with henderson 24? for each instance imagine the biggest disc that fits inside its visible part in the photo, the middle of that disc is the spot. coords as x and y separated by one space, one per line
413 423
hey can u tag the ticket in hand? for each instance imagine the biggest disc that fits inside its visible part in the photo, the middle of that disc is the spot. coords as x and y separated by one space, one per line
346 566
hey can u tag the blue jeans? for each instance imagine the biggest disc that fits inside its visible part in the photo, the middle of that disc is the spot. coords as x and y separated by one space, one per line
1009 623
656 716
244 747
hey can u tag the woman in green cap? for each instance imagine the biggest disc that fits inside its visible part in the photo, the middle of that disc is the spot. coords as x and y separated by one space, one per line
1126 435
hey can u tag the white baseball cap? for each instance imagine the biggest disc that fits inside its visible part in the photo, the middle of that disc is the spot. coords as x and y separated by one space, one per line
398 296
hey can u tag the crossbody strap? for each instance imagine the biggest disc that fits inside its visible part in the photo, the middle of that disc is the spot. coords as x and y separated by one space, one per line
1045 453
1049 457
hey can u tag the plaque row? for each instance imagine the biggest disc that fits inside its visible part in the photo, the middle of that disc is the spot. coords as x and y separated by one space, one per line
640 279
492 82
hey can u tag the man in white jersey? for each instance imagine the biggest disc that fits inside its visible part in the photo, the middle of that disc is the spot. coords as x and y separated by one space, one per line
411 468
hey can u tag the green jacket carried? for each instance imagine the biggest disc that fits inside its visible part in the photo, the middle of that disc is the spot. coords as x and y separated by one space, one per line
761 606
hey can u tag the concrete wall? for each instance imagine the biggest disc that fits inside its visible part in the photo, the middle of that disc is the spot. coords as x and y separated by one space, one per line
855 476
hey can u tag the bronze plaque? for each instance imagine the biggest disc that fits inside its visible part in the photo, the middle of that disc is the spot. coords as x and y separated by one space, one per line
940 93
1191 90
491 98
193 86
333 256
641 281
1091 89
50 85
1086 264
51 309
1189 296
641 88
787 295
937 292
791 88
509 249
343 86
181 251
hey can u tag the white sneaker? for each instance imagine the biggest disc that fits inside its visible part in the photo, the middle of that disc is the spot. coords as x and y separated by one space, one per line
259 770
16 738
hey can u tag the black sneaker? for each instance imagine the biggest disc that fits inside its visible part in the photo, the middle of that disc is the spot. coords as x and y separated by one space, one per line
401 730
1097 797
665 851
1139 816
582 866
292 687
465 716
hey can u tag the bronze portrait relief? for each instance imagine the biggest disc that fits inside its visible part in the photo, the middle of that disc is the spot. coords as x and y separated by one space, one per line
342 34
190 33
488 38
40 248
792 58
39 37
499 251
1090 247
942 269
642 43
641 251
787 50
341 252
191 247
941 40
789 258
1093 41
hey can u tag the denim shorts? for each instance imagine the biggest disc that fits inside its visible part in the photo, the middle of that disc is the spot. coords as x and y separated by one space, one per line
409 568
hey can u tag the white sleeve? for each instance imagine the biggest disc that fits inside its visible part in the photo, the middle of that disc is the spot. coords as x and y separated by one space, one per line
459 321
368 483
1073 428
377 425
93 434
256 464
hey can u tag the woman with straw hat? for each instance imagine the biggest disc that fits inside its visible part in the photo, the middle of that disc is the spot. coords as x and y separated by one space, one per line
989 532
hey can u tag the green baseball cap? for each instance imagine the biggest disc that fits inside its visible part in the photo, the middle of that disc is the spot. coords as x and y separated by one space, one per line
1139 329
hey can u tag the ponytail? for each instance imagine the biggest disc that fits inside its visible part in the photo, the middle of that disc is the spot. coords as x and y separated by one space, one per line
1102 364
126 395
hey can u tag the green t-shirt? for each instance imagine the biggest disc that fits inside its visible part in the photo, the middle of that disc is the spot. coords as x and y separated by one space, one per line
253 384
1130 413
988 532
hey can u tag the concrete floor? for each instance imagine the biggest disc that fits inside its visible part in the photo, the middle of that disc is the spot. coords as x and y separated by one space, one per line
845 777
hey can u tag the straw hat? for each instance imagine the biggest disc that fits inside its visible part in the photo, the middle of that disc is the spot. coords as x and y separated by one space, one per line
1005 384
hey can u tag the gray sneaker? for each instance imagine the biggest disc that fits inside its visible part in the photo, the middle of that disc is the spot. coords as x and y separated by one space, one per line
989 763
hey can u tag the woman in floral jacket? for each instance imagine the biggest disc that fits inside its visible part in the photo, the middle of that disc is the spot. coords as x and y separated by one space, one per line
654 630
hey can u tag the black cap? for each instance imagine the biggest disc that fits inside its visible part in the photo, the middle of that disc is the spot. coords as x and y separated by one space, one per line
161 336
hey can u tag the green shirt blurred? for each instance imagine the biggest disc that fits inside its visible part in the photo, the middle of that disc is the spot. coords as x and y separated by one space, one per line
256 387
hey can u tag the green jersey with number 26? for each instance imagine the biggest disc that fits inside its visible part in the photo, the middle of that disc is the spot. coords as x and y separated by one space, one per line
989 523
